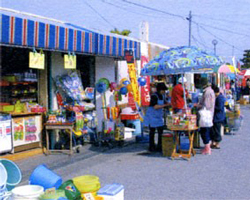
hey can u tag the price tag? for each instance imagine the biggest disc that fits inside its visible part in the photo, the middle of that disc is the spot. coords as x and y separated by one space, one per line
88 196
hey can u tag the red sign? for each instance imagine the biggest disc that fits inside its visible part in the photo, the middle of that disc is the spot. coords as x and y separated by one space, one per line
145 90
131 101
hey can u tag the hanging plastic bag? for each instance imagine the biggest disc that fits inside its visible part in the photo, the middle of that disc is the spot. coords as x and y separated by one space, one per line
206 118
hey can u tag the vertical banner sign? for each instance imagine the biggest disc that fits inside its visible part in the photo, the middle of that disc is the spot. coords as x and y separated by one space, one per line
69 61
36 60
145 91
132 75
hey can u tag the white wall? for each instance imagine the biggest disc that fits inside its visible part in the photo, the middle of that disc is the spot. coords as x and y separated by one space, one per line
105 68
57 65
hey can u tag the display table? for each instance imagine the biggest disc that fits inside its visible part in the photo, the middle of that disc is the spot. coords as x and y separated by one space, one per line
59 126
183 153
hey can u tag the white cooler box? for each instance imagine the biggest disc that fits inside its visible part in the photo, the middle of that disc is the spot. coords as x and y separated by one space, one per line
113 191
6 143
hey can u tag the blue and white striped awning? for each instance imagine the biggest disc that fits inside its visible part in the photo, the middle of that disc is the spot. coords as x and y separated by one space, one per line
27 32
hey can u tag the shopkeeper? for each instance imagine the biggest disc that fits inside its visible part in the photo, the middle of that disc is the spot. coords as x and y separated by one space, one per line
177 99
154 116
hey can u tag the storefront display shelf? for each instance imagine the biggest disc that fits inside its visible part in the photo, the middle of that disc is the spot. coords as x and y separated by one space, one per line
23 114
23 83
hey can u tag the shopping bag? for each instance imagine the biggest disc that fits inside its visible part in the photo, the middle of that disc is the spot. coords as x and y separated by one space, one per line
206 118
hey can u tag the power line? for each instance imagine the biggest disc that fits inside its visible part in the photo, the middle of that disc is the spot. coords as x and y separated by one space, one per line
99 14
225 30
123 8
217 36
223 20
198 42
154 9
198 31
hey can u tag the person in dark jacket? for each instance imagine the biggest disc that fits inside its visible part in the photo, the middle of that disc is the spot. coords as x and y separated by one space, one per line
246 90
219 118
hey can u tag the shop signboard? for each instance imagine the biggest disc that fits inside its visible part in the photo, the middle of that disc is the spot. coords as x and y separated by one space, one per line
145 90
26 130
36 60
69 61
132 75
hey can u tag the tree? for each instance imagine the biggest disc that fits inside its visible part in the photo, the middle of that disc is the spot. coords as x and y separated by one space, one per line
246 59
125 32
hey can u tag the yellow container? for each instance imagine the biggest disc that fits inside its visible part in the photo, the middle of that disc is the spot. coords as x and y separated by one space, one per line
87 183
8 108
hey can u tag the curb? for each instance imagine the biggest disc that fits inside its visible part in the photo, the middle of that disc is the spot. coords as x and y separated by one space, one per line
23 155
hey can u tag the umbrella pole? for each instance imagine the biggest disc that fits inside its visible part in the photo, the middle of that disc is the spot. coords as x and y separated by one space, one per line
184 91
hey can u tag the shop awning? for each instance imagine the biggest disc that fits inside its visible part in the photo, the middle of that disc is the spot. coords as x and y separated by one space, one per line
28 32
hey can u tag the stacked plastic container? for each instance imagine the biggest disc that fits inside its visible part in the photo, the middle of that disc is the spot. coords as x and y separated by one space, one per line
113 191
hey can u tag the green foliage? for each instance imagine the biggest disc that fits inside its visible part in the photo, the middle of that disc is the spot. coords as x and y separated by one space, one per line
125 32
246 59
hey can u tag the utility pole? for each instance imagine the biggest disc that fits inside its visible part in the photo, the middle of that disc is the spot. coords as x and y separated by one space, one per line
214 42
189 18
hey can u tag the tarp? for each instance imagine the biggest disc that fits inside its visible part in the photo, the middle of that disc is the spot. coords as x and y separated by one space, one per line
181 60
26 31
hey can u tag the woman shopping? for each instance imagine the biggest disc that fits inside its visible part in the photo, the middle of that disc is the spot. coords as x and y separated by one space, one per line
208 102
154 116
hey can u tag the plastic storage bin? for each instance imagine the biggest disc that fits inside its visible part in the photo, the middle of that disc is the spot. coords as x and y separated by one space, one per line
87 183
113 191
45 177
14 175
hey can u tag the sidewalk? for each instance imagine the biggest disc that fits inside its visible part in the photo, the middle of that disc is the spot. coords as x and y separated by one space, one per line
22 155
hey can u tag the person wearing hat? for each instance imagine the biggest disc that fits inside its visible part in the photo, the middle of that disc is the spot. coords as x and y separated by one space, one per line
208 102
154 116
177 99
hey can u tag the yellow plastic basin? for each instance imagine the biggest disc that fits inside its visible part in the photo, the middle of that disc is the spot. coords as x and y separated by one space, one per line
87 183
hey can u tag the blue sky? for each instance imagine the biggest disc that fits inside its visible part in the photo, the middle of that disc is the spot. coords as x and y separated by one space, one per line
227 21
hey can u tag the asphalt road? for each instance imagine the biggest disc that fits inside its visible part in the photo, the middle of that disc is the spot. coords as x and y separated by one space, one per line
223 175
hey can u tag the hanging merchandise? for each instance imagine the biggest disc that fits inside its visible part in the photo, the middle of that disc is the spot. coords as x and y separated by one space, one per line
123 90
73 91
71 84
113 86
142 81
90 93
132 75
102 86
124 81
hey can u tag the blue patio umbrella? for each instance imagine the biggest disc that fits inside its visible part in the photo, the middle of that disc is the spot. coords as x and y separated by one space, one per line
180 60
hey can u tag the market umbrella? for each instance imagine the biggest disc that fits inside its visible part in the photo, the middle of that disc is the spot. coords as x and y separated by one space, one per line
226 69
180 60
245 72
